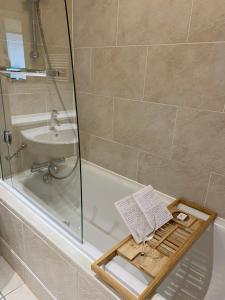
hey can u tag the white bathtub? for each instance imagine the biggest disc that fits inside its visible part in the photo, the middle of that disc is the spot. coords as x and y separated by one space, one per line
200 274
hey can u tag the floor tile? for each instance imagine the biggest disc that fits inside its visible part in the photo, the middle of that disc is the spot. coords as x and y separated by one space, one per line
9 280
21 293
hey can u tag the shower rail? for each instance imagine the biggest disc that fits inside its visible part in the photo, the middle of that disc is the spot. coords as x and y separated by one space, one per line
9 71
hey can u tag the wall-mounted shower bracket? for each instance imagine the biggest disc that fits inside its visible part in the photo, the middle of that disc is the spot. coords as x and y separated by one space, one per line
11 72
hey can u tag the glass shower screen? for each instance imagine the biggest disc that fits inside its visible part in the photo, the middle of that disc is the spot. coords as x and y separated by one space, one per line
40 156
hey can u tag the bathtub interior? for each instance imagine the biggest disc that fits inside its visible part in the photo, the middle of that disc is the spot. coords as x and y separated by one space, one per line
59 199
100 188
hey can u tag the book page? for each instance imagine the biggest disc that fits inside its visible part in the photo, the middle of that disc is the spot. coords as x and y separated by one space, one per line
134 218
154 210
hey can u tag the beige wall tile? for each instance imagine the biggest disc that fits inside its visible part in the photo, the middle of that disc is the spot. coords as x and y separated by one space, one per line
11 258
67 100
156 21
216 194
95 22
147 126
200 138
37 153
24 104
90 288
54 272
110 155
14 18
83 69
37 287
11 230
6 170
54 22
119 71
60 60
31 85
6 86
44 269
189 75
173 178
96 114
207 23
4 57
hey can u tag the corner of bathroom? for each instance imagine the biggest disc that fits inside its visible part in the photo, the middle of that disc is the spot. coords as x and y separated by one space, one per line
112 114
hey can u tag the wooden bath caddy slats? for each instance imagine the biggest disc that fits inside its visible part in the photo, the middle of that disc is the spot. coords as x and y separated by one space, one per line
169 244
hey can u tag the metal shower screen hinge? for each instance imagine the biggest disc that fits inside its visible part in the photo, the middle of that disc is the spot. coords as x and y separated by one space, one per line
7 136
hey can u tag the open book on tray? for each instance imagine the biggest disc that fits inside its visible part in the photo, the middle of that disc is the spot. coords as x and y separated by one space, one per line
143 213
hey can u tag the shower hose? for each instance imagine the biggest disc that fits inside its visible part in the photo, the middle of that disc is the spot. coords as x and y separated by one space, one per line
59 96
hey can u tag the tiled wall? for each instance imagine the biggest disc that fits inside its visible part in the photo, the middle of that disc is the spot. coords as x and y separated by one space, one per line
34 95
151 91
48 272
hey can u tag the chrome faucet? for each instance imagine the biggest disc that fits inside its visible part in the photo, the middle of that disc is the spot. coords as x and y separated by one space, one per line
54 120
47 168
53 164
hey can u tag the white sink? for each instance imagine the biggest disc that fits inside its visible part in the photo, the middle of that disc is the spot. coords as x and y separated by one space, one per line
64 134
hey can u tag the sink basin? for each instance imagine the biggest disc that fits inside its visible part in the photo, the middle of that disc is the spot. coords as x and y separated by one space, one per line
65 134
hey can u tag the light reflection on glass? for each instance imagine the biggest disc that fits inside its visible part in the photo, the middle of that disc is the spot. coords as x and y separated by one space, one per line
16 55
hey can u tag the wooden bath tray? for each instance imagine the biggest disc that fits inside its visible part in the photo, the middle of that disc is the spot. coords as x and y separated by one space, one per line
162 253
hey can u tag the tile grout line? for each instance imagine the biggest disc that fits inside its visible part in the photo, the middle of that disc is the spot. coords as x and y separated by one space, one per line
2 296
28 43
26 268
137 165
190 19
207 189
174 134
117 21
141 150
223 108
24 248
131 147
91 67
47 242
151 45
145 72
113 116
129 99
110 140
11 292
141 99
